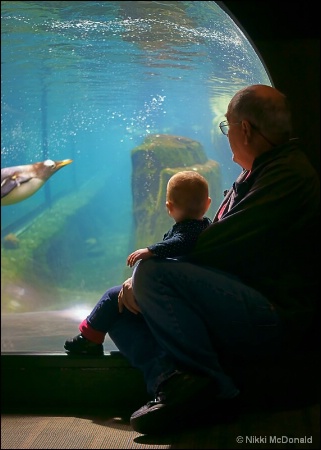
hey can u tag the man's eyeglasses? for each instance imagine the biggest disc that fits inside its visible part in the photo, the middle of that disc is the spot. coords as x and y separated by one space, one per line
225 126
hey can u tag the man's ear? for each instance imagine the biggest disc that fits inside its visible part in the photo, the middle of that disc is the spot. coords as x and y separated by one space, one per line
247 130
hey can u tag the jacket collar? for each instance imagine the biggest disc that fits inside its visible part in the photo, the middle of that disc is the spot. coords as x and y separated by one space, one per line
275 152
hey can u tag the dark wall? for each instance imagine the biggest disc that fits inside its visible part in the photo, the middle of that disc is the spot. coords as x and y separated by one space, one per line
287 38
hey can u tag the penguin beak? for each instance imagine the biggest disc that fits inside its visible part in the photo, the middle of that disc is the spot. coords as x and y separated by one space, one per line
65 162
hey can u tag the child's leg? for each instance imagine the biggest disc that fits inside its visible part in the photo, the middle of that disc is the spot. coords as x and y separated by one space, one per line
94 328
102 317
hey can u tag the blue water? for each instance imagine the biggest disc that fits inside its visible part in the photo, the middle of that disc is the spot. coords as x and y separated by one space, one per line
89 81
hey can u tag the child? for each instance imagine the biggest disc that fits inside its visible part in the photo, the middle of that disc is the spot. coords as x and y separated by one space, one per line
187 200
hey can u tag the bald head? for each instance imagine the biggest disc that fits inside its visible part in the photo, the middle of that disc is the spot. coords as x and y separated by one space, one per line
262 90
264 107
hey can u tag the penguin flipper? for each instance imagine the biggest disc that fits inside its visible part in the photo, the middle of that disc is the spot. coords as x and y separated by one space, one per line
10 183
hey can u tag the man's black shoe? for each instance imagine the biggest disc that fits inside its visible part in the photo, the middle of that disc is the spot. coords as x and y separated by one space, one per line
79 345
176 403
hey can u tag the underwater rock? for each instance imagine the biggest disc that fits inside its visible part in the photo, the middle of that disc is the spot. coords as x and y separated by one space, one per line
47 254
153 162
11 241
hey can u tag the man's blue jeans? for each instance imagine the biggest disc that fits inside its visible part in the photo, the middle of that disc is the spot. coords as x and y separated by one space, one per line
191 316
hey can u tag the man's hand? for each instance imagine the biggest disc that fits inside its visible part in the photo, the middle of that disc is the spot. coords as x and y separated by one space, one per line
126 298
142 253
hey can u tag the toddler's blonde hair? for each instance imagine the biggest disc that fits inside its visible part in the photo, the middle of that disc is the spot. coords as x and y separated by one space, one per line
188 190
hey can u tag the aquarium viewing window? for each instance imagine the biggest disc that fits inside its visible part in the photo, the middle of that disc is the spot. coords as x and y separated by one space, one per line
126 91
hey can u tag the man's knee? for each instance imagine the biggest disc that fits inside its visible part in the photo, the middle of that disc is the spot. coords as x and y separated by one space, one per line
149 278
144 271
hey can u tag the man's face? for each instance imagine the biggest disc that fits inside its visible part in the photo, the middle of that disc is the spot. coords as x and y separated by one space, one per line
237 136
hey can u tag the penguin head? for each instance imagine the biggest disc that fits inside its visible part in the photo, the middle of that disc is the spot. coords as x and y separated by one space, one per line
48 167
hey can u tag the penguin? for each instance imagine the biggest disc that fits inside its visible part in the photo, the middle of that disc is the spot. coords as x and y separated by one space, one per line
20 182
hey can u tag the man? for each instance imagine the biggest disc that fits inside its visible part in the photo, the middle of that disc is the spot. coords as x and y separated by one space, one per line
250 283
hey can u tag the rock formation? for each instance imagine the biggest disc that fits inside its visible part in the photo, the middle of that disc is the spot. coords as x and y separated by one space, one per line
153 162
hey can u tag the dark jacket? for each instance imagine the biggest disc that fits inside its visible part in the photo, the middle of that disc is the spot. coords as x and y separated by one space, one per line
268 234
180 239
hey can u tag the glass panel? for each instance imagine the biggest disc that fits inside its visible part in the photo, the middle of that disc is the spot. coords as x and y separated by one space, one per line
96 82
